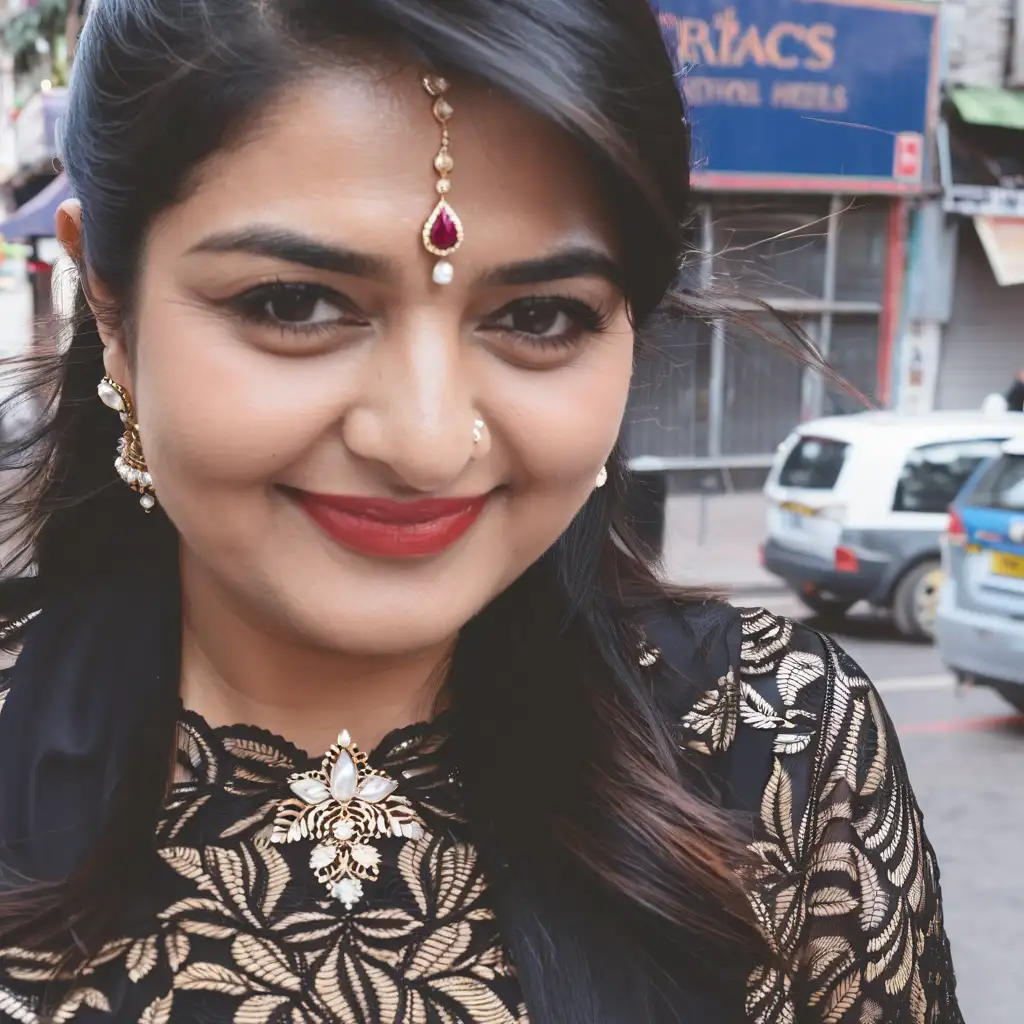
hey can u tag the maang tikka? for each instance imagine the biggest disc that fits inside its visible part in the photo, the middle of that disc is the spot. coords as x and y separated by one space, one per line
130 462
442 234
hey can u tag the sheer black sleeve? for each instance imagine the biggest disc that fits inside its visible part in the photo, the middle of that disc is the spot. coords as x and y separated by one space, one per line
845 883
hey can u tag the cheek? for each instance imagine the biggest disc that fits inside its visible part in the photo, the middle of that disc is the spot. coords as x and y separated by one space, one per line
216 411
563 425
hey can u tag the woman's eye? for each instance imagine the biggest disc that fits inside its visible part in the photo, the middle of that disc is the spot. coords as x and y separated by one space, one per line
550 320
295 307
299 306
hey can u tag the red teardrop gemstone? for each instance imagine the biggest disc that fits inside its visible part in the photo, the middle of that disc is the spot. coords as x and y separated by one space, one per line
444 234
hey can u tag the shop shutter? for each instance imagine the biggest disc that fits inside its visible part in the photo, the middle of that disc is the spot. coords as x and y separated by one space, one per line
983 344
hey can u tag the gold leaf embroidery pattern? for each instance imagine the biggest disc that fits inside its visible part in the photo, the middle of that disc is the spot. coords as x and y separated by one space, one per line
278 960
82 997
713 719
158 1011
844 883
141 958
847 891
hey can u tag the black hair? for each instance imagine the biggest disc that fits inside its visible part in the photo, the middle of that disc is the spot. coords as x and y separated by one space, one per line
601 884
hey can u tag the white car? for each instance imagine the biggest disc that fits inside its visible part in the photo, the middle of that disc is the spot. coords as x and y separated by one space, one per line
857 506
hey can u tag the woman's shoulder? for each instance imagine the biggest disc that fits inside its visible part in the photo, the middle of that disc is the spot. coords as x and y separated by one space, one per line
778 679
796 736
767 659
746 687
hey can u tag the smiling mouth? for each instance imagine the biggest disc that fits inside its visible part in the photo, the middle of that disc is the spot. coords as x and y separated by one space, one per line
392 529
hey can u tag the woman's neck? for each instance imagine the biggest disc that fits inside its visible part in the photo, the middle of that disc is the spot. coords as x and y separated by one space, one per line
235 670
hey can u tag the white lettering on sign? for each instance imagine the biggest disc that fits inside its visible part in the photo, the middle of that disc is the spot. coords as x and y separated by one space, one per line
726 42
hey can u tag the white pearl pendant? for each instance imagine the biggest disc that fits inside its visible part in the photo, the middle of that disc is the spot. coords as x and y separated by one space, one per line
110 396
444 272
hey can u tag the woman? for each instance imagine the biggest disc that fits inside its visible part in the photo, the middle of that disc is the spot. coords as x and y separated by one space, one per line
362 281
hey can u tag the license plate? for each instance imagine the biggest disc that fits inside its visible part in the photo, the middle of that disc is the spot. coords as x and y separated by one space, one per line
795 516
1004 564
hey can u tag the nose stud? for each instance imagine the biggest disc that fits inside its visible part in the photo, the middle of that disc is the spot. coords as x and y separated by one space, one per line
478 430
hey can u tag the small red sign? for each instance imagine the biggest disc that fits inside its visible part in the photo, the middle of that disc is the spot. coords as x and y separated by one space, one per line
908 164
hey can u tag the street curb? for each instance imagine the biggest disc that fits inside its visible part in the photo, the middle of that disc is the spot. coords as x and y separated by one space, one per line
769 589
758 589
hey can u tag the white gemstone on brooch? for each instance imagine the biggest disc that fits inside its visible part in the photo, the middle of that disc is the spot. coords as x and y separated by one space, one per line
312 791
376 788
323 856
344 778
365 856
348 891
344 830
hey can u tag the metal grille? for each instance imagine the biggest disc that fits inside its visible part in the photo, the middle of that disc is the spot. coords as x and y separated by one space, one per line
769 249
717 394
762 396
668 409
860 254
982 347
855 357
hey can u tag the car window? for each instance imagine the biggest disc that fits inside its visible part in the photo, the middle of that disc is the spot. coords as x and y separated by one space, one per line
1002 485
933 474
815 463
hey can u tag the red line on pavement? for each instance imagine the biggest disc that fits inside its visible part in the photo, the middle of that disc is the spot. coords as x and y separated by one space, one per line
1002 722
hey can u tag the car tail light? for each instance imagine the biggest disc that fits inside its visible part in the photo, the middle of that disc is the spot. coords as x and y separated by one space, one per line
846 561
760 555
956 532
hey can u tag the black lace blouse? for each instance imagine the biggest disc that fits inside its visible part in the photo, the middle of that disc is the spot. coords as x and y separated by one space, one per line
241 927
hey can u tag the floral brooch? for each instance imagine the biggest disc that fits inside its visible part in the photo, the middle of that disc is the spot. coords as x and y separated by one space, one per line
345 805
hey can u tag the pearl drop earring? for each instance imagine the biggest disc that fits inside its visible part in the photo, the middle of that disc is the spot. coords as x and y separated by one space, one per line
130 462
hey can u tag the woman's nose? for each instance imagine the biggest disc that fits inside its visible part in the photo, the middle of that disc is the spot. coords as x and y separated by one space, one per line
416 415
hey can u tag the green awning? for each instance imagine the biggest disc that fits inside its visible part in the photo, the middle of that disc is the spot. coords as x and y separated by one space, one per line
990 108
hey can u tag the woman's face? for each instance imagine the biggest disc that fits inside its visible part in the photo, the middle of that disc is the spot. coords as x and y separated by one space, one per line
303 386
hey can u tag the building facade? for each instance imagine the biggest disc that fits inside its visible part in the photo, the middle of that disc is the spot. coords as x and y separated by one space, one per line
977 41
813 122
977 337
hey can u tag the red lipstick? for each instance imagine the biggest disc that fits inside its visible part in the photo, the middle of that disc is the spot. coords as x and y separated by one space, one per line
393 529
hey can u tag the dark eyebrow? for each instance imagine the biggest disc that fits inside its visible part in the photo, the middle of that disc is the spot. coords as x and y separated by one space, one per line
295 248
580 261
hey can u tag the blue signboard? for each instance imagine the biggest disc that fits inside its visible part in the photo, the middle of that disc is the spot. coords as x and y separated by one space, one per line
836 95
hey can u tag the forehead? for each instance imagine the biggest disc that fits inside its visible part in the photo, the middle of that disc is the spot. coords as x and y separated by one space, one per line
349 155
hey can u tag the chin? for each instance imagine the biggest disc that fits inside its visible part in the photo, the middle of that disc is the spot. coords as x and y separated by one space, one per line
400 631
374 618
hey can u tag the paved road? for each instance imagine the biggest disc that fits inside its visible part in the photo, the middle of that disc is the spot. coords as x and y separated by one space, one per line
965 750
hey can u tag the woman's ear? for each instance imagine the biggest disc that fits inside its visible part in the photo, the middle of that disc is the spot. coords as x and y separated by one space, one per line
69 228
69 234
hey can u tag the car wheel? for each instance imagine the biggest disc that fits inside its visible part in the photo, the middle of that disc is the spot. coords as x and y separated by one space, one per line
916 600
832 609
